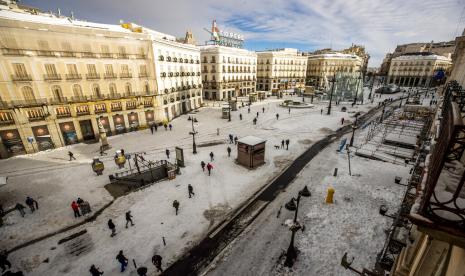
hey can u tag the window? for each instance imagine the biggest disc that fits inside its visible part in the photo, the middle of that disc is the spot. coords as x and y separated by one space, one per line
128 88
96 91
109 70
19 69
50 69
105 51
122 51
72 69
112 89
91 69
124 70
28 94
143 70
77 91
57 94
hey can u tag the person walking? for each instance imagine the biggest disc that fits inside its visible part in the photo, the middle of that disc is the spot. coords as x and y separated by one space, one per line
190 189
94 271
20 207
287 144
277 116
33 205
71 156
4 261
289 110
122 260
176 206
235 140
263 109
209 168
155 127
342 121
248 110
254 121
231 138
202 164
171 126
156 261
167 151
240 117
166 127
129 219
112 227
257 114
75 208
321 111
211 156
229 151
282 143
142 271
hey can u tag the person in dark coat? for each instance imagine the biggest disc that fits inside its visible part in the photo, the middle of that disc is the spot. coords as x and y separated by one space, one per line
248 110
155 127
165 126
112 227
231 138
263 109
94 271
129 219
151 129
229 151
282 144
156 261
71 156
240 117
4 261
235 140
254 121
209 168
167 151
190 189
321 111
20 207
176 206
171 126
202 164
257 114
33 205
287 144
122 260
211 156
75 208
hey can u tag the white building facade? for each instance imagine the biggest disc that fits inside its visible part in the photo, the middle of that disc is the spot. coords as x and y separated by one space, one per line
227 72
281 69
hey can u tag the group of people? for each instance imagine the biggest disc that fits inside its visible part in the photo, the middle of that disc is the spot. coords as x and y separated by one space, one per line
233 139
80 207
30 202
112 226
154 127
123 261
209 166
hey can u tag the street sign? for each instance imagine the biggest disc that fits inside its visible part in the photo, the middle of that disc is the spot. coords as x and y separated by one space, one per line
179 156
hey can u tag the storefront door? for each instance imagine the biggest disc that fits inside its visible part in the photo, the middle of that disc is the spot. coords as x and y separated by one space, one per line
86 130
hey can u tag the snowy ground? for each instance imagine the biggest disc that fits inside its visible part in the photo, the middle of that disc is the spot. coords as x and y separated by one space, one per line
54 183
352 224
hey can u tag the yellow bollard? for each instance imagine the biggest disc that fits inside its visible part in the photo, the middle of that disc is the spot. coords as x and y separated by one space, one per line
329 196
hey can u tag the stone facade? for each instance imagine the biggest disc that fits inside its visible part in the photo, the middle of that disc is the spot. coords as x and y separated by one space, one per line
281 69
417 69
458 68
227 72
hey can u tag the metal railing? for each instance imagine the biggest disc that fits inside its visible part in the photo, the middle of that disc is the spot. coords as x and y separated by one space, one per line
52 77
73 76
26 77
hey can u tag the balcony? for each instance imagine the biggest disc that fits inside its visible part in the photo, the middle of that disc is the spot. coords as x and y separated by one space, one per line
73 76
106 55
45 53
129 94
6 118
100 108
19 78
55 101
442 206
13 52
95 76
63 111
125 75
123 56
88 55
117 106
52 77
28 103
110 76
82 110
78 99
131 105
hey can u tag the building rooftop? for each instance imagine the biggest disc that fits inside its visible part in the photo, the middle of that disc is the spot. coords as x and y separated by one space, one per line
335 55
422 56
251 140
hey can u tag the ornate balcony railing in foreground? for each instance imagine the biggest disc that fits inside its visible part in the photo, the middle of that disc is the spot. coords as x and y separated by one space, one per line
442 202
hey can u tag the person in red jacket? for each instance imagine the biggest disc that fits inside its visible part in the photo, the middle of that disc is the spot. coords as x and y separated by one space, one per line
209 168
75 207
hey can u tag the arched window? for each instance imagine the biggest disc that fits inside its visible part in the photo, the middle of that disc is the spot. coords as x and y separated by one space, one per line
77 91
57 94
112 88
127 88
28 94
96 91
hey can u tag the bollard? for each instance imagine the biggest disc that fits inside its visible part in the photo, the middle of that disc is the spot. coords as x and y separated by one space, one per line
335 172
329 196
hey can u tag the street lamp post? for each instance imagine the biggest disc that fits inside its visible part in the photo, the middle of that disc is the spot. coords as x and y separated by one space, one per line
333 80
193 133
229 109
400 104
291 253
354 127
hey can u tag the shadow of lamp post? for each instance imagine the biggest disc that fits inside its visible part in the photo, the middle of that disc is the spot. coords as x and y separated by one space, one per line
293 205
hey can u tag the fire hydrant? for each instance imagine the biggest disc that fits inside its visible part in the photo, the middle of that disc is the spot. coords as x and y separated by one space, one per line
329 195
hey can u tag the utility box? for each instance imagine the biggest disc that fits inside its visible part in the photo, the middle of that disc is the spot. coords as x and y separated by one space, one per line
225 111
251 151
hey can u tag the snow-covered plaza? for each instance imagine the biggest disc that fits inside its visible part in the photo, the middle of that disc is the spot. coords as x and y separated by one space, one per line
55 182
